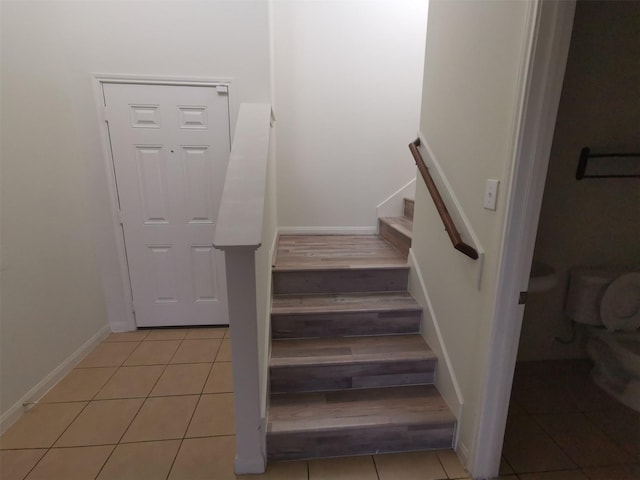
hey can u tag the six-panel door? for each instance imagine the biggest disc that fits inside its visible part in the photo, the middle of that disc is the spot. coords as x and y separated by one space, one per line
170 149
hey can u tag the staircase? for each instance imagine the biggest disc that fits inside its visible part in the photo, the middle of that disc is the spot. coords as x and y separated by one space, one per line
349 372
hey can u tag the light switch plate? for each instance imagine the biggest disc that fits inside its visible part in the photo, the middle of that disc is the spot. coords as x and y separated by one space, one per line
491 194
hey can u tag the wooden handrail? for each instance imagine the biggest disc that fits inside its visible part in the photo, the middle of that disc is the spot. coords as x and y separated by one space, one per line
449 226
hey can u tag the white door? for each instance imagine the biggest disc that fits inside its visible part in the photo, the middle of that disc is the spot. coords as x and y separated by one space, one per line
170 147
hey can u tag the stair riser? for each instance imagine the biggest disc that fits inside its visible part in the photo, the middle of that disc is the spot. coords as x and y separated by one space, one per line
321 325
317 378
340 281
408 208
396 238
358 441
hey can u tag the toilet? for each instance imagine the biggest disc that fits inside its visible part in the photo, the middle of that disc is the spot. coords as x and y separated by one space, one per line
607 300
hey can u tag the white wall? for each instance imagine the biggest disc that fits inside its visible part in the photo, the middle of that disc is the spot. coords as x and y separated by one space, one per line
592 221
55 210
473 62
348 79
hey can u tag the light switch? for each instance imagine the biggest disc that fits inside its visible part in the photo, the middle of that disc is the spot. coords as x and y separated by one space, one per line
491 194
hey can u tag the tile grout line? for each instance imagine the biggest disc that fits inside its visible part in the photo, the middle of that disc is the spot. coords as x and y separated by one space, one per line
204 385
174 459
375 466
504 459
577 466
184 435
132 418
442 464
141 403
166 366
192 413
64 431
597 427
48 449
94 399
118 443
118 367
36 464
544 430
199 399
89 402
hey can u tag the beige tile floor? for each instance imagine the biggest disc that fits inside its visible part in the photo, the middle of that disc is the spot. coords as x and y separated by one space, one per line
158 405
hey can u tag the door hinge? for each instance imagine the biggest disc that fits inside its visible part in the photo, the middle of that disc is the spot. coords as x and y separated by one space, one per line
522 298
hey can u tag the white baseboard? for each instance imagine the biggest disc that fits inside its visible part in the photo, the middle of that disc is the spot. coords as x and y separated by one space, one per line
446 380
394 205
328 230
463 453
12 415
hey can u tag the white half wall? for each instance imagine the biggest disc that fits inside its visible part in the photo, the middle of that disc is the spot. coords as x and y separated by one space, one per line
348 79
56 217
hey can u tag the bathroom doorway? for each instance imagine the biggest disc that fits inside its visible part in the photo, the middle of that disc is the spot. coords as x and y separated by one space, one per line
559 420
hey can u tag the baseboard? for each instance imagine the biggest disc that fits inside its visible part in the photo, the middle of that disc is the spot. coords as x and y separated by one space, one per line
328 230
12 415
446 380
394 205
463 453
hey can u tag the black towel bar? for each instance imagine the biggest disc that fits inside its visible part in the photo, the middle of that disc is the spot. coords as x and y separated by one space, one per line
585 155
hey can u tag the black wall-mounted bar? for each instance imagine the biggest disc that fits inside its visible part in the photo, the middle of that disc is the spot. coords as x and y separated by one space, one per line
585 155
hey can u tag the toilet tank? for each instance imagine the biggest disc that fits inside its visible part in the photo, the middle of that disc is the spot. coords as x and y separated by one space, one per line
586 287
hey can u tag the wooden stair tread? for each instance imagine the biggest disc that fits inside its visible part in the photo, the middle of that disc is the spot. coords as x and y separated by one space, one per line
343 303
349 350
403 224
300 252
378 407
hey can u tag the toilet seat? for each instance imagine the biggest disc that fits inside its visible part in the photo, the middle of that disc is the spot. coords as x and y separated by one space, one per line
620 305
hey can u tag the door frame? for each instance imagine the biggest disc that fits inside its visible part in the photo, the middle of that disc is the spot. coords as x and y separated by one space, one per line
116 283
541 89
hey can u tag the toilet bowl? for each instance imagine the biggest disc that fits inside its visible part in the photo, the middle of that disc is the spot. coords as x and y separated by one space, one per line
607 300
